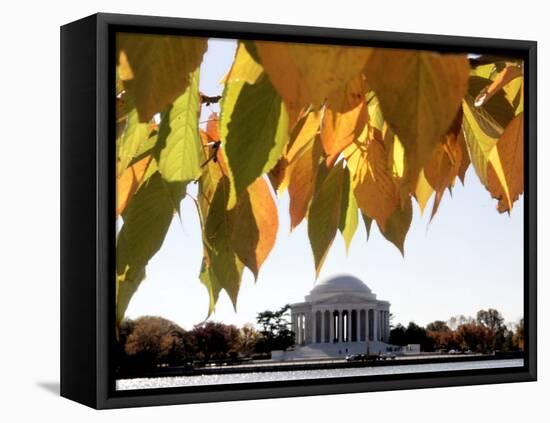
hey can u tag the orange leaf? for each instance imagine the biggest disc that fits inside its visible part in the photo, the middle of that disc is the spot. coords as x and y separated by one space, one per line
128 183
443 166
256 224
420 93
398 225
344 118
510 149
212 127
304 131
302 182
375 189
306 74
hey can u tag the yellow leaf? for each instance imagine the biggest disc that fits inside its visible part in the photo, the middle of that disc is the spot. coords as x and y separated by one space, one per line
480 134
324 215
508 74
398 225
375 189
465 163
420 94
302 182
156 68
348 214
344 118
302 134
509 148
256 224
128 183
443 166
245 67
423 191
279 175
306 74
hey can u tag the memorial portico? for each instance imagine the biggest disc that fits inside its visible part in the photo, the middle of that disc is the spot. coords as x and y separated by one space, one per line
341 310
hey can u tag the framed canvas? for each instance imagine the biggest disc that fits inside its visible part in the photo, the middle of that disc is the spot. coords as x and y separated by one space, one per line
258 211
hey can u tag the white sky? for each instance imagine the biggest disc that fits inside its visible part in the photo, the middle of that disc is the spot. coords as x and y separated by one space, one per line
468 258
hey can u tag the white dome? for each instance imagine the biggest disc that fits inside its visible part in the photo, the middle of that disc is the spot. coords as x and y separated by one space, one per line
340 285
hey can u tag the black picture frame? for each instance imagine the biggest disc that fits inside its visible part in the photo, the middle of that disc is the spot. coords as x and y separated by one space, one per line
88 207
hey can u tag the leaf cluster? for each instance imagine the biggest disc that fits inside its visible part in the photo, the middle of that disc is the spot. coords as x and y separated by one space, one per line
348 132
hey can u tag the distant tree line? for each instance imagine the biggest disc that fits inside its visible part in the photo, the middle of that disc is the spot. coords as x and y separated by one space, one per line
150 341
485 333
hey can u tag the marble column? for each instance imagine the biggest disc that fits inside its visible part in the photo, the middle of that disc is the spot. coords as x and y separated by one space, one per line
375 324
314 327
322 337
367 329
348 326
341 329
331 326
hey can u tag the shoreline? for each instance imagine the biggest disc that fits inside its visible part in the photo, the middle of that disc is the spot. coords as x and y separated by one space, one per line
315 364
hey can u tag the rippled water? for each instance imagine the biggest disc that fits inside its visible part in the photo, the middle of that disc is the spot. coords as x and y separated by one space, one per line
179 381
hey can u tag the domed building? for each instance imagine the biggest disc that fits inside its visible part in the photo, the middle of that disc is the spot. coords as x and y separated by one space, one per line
341 314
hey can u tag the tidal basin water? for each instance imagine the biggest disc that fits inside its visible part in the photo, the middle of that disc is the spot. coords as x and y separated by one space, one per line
179 381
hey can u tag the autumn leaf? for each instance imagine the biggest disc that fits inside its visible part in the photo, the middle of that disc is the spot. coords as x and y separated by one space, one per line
129 182
212 127
398 225
465 163
245 67
420 93
256 223
423 191
129 143
496 106
306 74
223 267
510 151
508 74
156 69
443 166
302 134
279 175
146 221
375 189
349 211
324 215
368 224
178 148
481 133
301 186
347 130
254 129
344 118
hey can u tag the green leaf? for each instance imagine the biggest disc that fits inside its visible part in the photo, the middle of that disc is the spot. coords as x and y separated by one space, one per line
146 221
135 134
156 69
398 225
348 216
178 149
254 132
223 266
324 215
212 285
